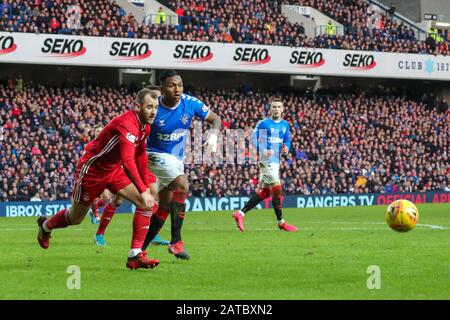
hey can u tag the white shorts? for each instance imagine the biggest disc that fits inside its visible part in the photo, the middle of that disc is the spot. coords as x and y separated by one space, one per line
269 173
166 168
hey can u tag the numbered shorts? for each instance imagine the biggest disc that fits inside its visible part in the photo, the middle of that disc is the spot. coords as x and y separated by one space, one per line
166 168
269 173
91 181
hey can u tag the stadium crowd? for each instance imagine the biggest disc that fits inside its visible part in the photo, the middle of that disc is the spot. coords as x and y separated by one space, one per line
344 140
246 21
369 29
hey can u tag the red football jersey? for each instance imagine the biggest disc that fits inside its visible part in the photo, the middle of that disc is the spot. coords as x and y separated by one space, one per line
121 142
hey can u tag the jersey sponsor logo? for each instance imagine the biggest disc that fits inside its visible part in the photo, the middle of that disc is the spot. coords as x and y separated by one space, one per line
127 50
275 140
130 137
184 119
63 48
359 61
7 45
170 136
307 59
193 53
251 56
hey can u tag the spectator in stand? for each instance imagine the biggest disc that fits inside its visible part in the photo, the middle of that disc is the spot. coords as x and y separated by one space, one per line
180 13
54 25
36 197
161 16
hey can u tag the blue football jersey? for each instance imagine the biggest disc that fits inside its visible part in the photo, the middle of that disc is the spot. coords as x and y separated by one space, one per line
171 125
271 135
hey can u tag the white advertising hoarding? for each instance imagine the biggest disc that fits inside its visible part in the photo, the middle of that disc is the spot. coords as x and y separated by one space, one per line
139 53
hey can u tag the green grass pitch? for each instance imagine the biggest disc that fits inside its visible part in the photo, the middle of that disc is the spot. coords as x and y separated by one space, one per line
327 259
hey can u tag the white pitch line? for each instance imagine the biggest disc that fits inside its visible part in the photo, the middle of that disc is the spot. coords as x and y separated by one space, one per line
432 227
336 222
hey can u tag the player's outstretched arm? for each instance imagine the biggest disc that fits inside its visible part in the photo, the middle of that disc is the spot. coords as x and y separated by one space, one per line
214 120
216 124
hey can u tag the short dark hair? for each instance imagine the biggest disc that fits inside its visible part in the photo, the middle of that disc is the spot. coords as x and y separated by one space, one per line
143 93
167 74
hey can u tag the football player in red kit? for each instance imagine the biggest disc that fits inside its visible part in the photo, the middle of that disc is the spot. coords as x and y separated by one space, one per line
112 202
116 160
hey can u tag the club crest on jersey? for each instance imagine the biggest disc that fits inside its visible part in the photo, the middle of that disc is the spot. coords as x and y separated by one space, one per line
131 138
162 123
184 119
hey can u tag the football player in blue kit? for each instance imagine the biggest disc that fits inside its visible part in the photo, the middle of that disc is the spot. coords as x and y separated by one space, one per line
165 149
272 139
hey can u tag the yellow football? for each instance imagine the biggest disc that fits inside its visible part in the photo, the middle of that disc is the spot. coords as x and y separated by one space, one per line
402 215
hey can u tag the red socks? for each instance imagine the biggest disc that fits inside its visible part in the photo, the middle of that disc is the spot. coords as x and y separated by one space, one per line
141 223
161 214
179 197
59 220
107 215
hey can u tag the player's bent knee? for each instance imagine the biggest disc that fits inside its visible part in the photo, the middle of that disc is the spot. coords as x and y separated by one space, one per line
183 188
117 203
117 200
180 184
